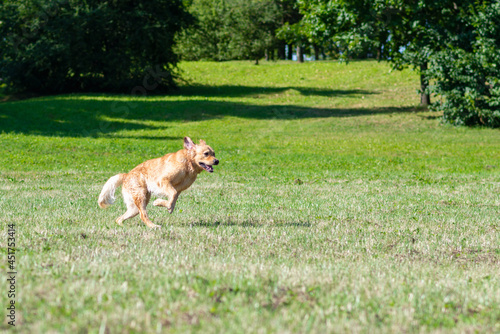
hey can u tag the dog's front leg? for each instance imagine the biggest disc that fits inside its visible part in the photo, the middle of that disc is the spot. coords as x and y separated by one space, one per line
172 199
171 202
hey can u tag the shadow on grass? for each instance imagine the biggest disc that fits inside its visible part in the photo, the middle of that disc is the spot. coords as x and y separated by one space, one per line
249 91
105 115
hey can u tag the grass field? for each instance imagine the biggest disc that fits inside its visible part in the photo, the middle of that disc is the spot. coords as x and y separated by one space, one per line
338 206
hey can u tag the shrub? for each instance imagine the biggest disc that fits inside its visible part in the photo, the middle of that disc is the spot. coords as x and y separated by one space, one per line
61 46
468 79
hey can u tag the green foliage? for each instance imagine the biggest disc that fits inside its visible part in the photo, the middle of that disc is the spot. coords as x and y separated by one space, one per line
252 26
294 34
53 47
468 77
229 29
418 29
458 39
208 38
295 30
404 31
355 27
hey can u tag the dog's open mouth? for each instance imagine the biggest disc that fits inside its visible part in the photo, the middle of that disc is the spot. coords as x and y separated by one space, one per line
206 167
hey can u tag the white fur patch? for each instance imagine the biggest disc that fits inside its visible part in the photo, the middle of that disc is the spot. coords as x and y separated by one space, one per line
154 188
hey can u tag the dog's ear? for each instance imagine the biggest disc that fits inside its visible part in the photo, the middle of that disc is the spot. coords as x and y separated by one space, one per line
202 142
188 144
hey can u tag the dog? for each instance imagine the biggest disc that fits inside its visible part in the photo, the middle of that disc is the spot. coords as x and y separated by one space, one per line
166 176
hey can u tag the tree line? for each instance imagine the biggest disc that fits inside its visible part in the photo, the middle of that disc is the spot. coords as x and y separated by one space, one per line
67 45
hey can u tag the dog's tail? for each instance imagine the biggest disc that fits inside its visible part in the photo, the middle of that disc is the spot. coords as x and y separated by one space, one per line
107 196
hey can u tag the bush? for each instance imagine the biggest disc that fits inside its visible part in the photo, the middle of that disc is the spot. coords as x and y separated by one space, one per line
67 46
468 79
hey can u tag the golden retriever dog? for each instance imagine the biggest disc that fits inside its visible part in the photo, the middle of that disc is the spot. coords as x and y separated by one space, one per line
166 176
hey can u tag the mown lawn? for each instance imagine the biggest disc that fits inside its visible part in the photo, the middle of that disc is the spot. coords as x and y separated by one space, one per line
338 206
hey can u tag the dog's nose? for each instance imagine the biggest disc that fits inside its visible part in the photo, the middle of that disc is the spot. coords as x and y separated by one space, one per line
216 162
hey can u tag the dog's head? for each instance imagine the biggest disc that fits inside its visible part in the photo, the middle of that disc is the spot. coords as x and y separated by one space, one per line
203 155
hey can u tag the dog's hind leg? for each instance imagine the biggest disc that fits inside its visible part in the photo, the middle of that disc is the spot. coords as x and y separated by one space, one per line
132 209
141 202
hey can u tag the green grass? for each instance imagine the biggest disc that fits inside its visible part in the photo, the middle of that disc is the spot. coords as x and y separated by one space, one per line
338 206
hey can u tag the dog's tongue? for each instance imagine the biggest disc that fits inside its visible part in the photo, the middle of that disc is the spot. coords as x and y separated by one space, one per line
206 167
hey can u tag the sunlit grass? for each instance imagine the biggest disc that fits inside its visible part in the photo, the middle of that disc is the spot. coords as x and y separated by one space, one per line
338 206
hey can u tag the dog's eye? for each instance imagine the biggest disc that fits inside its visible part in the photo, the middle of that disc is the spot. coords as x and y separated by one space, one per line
206 154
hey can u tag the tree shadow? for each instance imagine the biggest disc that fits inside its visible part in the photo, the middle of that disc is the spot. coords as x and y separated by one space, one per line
248 91
99 115
431 117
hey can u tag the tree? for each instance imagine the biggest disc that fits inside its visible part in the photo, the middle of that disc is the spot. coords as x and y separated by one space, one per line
356 27
455 43
406 32
209 37
252 26
295 34
467 72
419 29
285 33
62 46
230 29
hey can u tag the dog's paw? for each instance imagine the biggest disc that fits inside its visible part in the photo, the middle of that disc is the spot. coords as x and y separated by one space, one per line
154 226
158 202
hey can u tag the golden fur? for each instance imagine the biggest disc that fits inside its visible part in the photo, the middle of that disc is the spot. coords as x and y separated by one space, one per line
166 176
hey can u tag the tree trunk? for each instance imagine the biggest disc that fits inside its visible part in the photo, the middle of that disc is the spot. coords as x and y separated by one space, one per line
266 54
290 52
281 51
300 54
316 52
256 61
425 98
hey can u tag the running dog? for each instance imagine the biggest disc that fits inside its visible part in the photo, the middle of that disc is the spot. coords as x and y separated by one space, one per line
167 176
